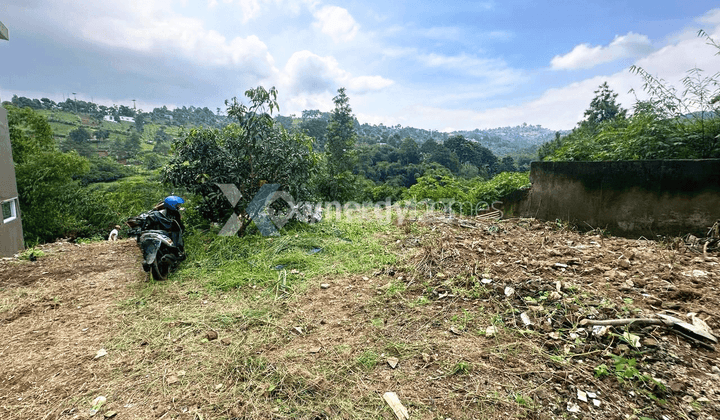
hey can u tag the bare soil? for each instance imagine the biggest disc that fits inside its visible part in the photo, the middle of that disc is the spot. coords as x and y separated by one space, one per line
430 314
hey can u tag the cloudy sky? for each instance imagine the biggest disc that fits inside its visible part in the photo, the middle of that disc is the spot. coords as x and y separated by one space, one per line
428 64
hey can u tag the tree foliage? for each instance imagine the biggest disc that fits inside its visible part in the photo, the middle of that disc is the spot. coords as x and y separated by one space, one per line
52 204
248 154
340 182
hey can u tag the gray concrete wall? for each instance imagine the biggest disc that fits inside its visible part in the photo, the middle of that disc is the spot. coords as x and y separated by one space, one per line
11 234
628 198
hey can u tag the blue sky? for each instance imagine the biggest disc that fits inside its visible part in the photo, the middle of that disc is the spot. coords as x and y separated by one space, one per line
427 64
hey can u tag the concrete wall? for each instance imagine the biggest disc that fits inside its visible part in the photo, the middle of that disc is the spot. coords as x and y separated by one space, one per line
11 234
628 198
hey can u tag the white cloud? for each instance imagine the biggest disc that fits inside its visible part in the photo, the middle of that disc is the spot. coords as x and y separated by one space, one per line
154 28
495 71
310 73
584 56
309 81
337 23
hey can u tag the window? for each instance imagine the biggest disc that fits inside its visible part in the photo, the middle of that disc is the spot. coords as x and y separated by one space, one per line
9 210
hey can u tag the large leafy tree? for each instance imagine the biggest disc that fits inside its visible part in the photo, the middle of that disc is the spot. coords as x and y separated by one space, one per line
249 153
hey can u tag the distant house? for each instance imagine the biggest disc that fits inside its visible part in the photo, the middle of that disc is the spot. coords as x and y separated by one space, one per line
109 118
127 119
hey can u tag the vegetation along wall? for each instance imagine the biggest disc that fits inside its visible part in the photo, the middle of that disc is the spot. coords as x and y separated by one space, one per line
627 198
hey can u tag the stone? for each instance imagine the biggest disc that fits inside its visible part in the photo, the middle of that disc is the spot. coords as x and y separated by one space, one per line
211 335
324 286
393 362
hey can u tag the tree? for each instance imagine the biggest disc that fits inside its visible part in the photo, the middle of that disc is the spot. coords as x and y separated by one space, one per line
409 152
341 134
44 176
249 153
339 149
78 140
133 145
603 108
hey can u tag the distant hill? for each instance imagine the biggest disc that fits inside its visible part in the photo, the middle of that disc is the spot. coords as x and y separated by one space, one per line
65 116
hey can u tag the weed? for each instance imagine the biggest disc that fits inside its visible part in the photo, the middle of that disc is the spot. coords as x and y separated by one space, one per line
31 253
368 360
461 368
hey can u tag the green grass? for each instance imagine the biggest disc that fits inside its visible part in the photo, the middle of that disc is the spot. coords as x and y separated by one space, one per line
286 261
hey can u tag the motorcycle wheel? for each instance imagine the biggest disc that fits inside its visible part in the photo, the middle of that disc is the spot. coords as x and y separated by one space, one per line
159 270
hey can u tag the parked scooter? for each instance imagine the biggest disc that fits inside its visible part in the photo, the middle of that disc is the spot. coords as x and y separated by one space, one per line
159 236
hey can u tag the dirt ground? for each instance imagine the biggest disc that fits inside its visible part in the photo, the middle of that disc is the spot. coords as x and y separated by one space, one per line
482 319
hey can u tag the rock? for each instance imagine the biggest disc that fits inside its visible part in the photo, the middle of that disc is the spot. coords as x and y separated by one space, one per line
688 399
393 362
226 341
211 335
110 414
572 407
100 353
716 369
172 379
218 387
526 319
490 331
96 404
649 341
324 286
582 396
297 330
509 291
315 349
623 263
677 387
425 357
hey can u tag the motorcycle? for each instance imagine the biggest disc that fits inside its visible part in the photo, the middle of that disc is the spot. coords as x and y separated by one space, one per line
159 236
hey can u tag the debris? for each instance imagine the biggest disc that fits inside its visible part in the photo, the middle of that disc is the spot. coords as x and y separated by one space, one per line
96 404
509 290
526 319
393 401
100 353
455 331
315 349
486 281
110 414
596 403
631 339
554 335
582 396
665 320
324 286
600 330
218 387
490 331
172 379
297 330
393 362
572 407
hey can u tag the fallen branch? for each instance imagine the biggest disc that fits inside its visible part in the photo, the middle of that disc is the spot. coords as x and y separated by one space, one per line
686 329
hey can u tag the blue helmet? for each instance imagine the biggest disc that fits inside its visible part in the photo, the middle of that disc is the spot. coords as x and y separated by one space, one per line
173 201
